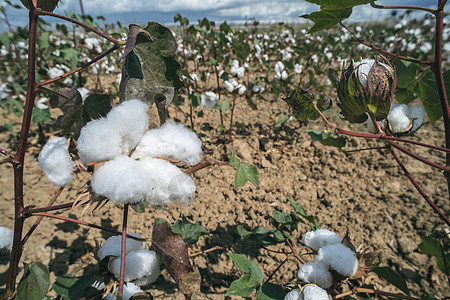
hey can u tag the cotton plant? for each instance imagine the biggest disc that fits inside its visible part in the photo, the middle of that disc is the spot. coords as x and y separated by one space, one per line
401 119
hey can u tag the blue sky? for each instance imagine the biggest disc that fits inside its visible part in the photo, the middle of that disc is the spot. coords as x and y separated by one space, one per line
162 11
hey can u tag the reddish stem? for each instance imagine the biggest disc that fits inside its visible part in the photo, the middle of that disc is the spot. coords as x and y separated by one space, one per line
384 51
5 152
292 249
27 212
6 160
105 36
123 252
35 225
418 188
106 53
403 7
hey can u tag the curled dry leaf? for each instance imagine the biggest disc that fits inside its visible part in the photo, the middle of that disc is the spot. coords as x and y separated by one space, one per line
365 261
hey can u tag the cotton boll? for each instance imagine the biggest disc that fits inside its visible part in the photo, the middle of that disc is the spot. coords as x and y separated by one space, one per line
320 238
122 180
99 140
417 113
129 289
229 86
113 246
209 99
172 140
242 90
294 295
316 272
279 67
398 118
6 238
240 72
284 75
132 120
363 68
138 264
170 183
340 258
55 160
313 292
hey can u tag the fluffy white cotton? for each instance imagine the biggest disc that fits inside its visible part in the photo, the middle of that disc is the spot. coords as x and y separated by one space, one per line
363 68
209 99
298 68
169 182
319 238
84 92
417 113
129 289
122 180
138 264
6 238
312 292
279 67
340 258
113 246
294 295
398 117
115 135
172 140
229 86
316 272
55 160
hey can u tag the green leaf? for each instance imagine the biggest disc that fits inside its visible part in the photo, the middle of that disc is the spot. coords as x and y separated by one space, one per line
244 172
133 65
253 276
340 4
326 138
326 19
96 106
189 231
27 3
195 99
426 89
267 237
392 277
431 246
220 128
301 212
223 105
243 286
407 74
70 54
71 287
247 266
40 115
44 40
34 283
270 291
282 119
301 102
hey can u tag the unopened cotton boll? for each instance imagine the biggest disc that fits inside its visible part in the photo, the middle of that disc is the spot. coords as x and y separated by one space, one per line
313 292
172 140
340 258
316 272
6 238
169 182
138 264
113 246
294 295
320 238
398 117
122 180
55 161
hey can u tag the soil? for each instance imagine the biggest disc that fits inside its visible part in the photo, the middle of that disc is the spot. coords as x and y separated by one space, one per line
363 193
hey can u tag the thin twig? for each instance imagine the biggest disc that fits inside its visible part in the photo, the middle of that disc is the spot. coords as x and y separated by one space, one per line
294 253
216 248
432 11
276 270
5 152
6 160
418 188
123 252
204 165
27 212
384 51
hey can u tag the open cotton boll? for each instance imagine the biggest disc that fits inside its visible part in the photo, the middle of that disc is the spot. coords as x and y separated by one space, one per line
316 272
122 180
113 246
138 264
313 292
129 289
172 140
131 119
294 295
417 113
363 68
6 238
398 117
169 182
340 258
55 160
99 140
319 238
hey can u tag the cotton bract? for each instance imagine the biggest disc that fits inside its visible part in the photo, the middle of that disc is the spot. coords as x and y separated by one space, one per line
316 272
55 160
113 246
6 238
340 258
319 238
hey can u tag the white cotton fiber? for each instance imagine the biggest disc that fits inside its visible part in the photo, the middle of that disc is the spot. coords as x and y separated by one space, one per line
138 264
116 134
340 258
99 140
132 119
172 140
294 295
363 68
313 292
55 160
122 180
169 182
129 289
319 238
113 246
6 238
398 117
417 113
316 272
